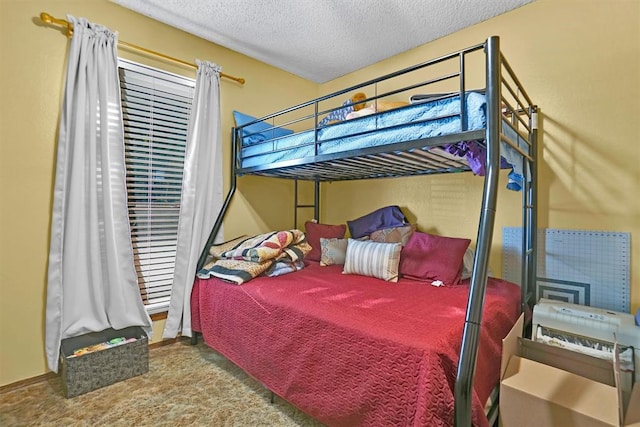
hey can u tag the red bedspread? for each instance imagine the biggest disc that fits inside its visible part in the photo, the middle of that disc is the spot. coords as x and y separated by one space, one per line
351 350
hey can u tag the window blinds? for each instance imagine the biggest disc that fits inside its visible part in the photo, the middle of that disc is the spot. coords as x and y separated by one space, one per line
155 109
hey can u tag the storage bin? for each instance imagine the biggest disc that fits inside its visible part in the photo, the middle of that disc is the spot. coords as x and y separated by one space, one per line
90 371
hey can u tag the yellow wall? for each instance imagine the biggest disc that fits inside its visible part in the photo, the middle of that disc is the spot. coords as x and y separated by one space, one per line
33 60
579 60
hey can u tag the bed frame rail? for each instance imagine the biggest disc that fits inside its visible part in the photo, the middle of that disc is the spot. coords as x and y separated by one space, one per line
307 115
506 98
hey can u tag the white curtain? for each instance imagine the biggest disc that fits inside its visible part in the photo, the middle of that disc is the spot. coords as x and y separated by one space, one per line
201 194
92 283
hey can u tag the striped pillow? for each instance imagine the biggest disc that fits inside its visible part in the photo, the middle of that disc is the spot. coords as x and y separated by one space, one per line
373 259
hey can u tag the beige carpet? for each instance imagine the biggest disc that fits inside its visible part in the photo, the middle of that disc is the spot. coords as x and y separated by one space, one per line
185 385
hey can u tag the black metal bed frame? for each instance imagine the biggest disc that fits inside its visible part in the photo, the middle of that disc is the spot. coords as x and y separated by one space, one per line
507 104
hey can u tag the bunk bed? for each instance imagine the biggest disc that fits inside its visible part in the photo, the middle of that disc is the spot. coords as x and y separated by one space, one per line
298 336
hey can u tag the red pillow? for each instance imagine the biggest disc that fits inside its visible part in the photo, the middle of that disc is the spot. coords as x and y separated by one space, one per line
315 231
430 257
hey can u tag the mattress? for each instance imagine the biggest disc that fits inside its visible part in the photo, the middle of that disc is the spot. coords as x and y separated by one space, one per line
412 122
351 350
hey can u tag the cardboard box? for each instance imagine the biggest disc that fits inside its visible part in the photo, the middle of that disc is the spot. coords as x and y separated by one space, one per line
543 385
91 371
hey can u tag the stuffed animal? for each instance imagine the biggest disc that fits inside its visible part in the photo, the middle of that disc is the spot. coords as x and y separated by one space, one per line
360 96
376 107
355 103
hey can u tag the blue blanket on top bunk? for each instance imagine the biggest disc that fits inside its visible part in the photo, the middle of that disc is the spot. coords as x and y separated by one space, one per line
412 122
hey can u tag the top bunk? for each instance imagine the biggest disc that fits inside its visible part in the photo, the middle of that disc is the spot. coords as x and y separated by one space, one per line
439 116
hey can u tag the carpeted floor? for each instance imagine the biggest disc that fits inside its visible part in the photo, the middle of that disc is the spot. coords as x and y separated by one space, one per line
185 385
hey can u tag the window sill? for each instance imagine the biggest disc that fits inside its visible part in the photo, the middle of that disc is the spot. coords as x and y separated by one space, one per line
158 316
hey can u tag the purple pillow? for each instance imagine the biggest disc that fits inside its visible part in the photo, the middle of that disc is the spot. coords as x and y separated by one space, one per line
387 217
430 257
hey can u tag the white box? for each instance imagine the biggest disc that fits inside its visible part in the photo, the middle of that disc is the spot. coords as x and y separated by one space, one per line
534 392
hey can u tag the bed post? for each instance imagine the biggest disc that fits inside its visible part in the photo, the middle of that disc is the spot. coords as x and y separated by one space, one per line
529 216
221 215
225 205
473 319
529 282
220 218
316 200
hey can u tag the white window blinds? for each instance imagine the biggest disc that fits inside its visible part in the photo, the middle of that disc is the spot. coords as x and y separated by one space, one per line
155 109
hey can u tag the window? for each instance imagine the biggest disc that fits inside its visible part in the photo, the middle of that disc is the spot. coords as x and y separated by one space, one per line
155 110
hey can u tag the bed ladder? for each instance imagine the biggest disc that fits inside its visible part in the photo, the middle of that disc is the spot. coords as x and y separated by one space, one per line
315 205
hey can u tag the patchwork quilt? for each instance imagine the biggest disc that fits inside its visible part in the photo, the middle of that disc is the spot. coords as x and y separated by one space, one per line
269 254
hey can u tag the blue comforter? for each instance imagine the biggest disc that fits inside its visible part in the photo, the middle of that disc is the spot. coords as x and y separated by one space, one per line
415 121
412 122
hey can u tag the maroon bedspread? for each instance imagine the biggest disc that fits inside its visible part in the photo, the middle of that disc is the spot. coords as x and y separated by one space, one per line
351 350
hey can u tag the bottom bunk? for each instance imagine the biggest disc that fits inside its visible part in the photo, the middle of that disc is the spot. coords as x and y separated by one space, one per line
354 350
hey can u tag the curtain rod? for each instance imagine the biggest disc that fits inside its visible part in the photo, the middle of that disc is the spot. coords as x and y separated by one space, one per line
48 19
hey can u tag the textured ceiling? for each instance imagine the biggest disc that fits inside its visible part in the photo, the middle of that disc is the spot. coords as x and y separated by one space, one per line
320 39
